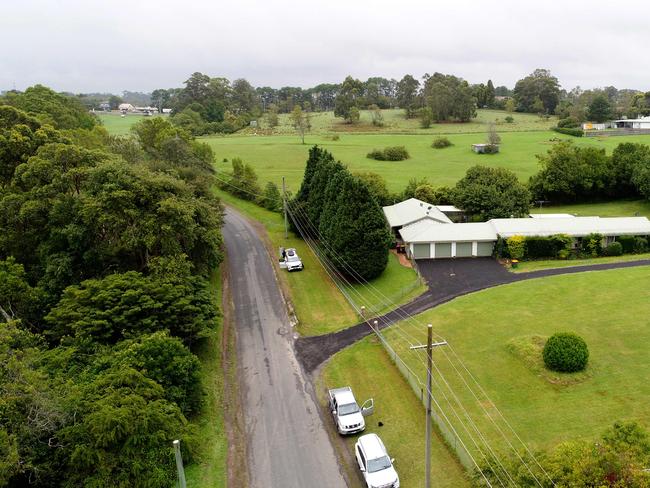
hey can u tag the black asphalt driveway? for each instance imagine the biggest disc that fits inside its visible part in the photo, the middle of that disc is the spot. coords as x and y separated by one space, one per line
446 279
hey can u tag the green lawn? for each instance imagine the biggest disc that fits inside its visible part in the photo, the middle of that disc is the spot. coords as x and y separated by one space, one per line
283 155
495 332
320 307
616 208
367 368
115 124
527 266
395 122
209 467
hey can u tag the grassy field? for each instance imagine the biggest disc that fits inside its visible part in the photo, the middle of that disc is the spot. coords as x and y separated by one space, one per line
319 305
209 467
277 156
117 125
367 368
617 208
396 123
498 332
527 266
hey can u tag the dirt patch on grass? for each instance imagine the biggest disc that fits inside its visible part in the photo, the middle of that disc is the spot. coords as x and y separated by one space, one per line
402 259
529 350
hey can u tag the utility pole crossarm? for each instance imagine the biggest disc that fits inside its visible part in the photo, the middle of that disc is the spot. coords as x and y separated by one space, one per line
433 344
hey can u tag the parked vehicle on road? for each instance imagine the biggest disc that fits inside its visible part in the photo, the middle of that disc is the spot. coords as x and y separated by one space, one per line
291 260
375 464
348 416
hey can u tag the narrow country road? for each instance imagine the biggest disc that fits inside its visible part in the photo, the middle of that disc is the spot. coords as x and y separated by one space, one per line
287 444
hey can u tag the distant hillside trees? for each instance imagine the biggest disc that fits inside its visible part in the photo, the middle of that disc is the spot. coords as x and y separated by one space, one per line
408 97
340 211
538 92
348 99
600 110
449 98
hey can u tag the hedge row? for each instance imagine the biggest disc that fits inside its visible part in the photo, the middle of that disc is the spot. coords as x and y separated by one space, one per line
560 246
570 131
394 153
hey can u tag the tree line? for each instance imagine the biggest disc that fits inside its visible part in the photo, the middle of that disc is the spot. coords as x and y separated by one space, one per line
106 247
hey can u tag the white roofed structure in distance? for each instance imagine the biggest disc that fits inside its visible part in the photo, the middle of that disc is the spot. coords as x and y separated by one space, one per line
413 210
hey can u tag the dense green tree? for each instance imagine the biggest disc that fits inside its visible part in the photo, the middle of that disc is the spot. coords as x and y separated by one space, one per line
58 110
600 109
272 199
449 98
124 433
353 228
539 85
490 94
168 362
377 186
126 305
272 116
628 161
408 95
491 193
571 173
348 98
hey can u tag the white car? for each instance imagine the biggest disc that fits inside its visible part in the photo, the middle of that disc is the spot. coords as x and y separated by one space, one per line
374 463
349 418
292 260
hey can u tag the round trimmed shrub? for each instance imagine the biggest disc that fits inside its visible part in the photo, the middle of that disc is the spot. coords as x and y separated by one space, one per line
565 352
441 142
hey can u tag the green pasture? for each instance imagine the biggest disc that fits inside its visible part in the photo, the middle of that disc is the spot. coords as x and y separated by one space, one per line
366 367
498 333
117 125
527 266
396 122
615 208
276 156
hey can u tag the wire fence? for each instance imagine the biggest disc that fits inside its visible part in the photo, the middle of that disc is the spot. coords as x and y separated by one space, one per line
419 389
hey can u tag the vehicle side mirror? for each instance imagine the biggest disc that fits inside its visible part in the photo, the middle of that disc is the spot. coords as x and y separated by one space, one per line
333 412
368 408
363 470
392 460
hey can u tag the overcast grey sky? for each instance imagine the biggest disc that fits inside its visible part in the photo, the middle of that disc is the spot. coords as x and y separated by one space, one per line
140 45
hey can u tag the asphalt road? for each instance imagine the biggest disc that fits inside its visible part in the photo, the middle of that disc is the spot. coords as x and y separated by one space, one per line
287 444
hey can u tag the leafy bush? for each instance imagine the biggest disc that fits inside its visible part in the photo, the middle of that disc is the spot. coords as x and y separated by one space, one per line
394 153
627 243
614 249
441 142
543 247
490 149
509 119
592 245
516 247
640 244
570 131
568 123
565 352
377 154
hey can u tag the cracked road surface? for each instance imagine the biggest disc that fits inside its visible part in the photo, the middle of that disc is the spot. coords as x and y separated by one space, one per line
287 444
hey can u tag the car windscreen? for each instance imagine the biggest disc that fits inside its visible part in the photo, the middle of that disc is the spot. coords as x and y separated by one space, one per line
293 258
348 408
378 464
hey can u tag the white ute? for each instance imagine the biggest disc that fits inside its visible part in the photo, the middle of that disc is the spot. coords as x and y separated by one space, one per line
349 418
374 463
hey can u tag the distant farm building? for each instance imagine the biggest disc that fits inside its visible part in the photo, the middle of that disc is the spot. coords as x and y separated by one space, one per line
485 148
126 107
620 127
